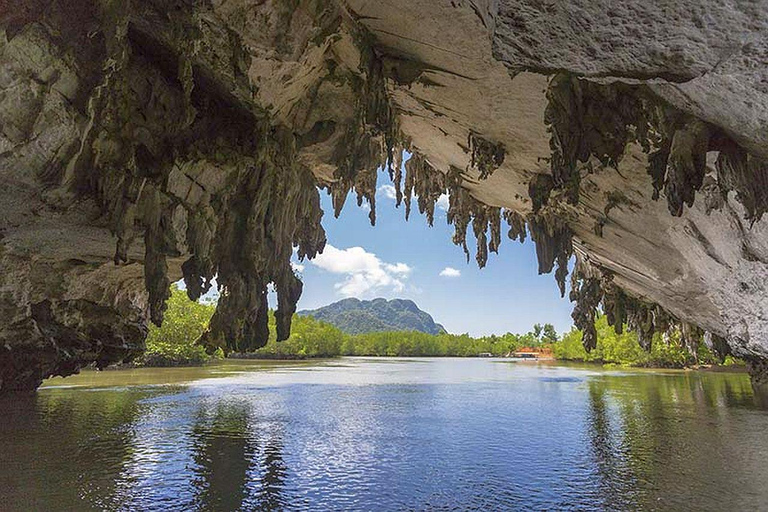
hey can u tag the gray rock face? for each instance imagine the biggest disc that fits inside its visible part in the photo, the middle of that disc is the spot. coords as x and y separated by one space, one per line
144 142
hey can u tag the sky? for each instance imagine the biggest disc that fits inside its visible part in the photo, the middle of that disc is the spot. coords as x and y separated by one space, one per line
413 261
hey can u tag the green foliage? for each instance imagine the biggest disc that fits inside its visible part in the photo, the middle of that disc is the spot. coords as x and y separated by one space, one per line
313 338
421 344
174 344
545 333
623 349
309 338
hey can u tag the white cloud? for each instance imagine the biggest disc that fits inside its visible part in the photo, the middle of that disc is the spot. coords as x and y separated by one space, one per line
387 191
297 267
398 268
450 272
443 202
365 273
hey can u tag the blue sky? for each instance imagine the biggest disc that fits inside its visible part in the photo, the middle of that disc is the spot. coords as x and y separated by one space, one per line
411 260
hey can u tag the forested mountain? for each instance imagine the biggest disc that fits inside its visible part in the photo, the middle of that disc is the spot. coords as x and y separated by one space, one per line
354 316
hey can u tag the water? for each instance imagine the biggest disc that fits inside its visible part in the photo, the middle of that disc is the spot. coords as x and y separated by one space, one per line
392 434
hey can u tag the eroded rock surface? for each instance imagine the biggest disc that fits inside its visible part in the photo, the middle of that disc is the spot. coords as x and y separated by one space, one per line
145 141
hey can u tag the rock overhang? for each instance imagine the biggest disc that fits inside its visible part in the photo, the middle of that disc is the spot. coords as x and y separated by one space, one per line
195 134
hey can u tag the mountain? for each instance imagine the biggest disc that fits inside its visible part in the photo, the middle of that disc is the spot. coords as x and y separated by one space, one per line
355 316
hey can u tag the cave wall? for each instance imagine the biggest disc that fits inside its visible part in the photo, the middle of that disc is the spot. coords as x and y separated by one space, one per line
147 141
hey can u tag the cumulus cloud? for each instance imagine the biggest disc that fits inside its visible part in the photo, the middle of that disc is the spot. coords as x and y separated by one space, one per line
443 202
450 272
298 267
365 274
387 191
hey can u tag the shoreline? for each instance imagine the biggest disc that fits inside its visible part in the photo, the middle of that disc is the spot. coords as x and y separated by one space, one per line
733 368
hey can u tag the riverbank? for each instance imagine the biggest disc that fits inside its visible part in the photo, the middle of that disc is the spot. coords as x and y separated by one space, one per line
735 367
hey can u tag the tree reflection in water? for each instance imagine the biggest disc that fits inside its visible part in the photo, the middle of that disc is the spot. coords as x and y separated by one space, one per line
239 458
616 480
60 450
471 434
654 439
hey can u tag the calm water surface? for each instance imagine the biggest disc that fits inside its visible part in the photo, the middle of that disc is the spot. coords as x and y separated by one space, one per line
392 434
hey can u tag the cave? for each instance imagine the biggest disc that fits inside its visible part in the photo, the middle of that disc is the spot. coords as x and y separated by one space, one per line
151 141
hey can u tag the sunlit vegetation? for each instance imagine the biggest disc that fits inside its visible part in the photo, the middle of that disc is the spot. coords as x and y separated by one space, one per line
623 349
175 342
310 338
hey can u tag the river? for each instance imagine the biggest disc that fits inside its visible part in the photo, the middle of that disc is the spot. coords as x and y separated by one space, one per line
385 434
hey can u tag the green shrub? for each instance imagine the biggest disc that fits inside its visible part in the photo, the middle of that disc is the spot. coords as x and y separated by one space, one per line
174 344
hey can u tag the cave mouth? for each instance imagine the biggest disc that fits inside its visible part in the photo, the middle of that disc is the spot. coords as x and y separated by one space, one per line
191 142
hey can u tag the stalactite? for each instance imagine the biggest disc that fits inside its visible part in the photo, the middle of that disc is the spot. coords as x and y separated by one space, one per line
159 243
485 156
494 224
198 269
365 187
690 335
686 165
426 183
271 206
614 303
553 240
397 178
586 295
539 189
640 320
516 223
459 209
747 175
717 345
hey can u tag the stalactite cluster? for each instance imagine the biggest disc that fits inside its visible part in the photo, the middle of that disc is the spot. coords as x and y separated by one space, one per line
745 174
588 119
485 156
423 182
371 141
464 209
144 127
553 240
269 207
516 223
592 287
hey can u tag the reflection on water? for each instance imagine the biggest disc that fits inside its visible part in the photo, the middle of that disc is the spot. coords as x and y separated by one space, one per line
385 434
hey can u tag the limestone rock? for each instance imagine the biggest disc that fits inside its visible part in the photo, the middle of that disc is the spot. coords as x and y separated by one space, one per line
142 142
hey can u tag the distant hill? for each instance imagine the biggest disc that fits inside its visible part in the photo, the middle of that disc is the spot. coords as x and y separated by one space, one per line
355 316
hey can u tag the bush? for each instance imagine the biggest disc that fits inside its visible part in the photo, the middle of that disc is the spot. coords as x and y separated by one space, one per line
174 344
